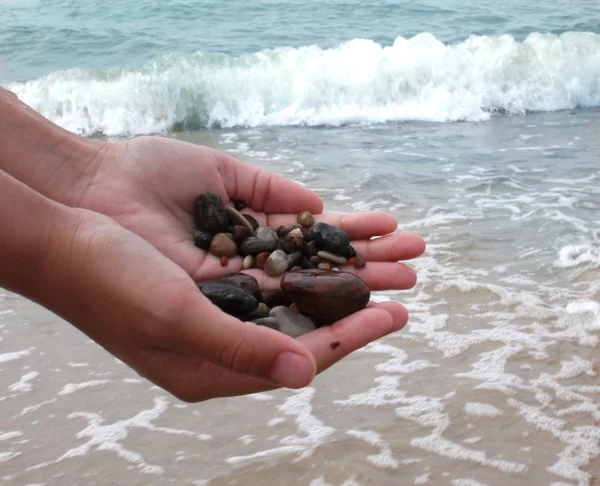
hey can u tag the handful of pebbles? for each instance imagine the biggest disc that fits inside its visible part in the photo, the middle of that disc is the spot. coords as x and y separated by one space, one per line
309 252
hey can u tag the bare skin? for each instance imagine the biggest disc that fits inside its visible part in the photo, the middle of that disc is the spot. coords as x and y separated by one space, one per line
120 264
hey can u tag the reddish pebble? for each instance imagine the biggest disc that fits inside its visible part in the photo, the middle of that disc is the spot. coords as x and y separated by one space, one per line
261 258
224 261
324 266
352 261
359 263
334 344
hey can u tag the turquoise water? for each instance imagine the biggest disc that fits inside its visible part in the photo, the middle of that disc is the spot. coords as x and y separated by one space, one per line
475 125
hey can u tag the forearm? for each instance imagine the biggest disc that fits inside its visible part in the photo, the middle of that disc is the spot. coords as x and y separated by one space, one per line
37 152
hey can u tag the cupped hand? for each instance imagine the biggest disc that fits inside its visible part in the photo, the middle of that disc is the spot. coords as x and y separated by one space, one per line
147 311
149 184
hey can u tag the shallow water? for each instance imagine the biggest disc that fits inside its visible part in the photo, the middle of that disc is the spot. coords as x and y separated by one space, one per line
487 146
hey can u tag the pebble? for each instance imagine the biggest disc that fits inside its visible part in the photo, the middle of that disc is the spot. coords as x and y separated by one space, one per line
350 253
311 248
268 322
275 298
284 230
236 217
252 220
239 205
224 261
202 240
292 323
305 219
223 245
325 255
359 263
295 259
276 264
243 281
229 298
324 266
261 311
266 240
331 239
324 296
261 259
240 233
248 262
210 214
294 239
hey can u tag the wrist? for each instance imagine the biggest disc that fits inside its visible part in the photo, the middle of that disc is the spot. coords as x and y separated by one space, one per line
51 160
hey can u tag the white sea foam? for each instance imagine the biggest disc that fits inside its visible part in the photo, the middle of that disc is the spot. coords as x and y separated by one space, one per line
359 81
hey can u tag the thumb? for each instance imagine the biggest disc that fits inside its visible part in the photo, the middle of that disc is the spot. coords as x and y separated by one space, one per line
242 347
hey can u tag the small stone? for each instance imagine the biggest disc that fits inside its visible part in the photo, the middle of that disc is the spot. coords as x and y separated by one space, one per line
351 261
324 266
274 298
294 239
239 205
236 217
210 214
223 245
244 281
261 259
359 263
309 265
315 259
285 229
350 253
268 322
248 262
261 311
311 248
331 239
305 219
276 264
229 298
291 322
240 233
266 240
252 220
202 240
295 259
326 297
330 257
224 261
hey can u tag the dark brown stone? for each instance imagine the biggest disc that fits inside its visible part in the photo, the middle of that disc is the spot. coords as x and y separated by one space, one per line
261 259
274 298
240 233
239 205
359 263
285 229
252 220
324 296
295 259
224 261
210 214
294 239
311 248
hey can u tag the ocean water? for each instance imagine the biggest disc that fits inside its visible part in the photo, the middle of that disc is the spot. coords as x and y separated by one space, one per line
476 125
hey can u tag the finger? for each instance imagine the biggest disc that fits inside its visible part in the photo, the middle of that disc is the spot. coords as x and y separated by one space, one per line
377 275
201 329
264 191
358 226
193 380
390 248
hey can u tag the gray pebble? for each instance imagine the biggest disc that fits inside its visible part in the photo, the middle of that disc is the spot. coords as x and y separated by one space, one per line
325 255
291 322
276 264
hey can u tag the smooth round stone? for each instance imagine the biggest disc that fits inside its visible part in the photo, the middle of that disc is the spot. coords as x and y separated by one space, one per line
294 239
261 311
330 257
282 231
243 281
202 240
240 233
324 266
276 264
275 298
238 218
222 245
325 296
305 219
331 239
248 262
261 259
229 298
295 259
291 322
210 214
268 322
252 220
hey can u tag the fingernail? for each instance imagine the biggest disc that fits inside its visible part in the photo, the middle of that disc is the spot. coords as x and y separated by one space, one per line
291 370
